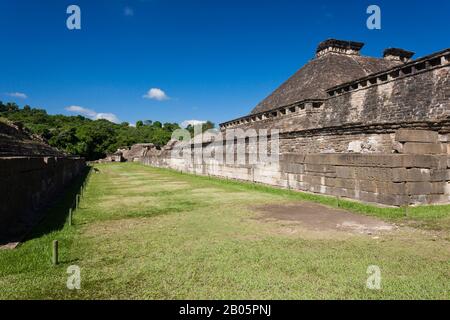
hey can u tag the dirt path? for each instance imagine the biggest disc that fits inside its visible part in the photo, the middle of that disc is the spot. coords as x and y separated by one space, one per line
318 217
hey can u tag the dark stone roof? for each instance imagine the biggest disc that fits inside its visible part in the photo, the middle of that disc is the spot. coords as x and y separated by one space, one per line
342 44
398 53
312 80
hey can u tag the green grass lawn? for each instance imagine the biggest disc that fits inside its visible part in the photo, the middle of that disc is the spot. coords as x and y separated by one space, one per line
147 233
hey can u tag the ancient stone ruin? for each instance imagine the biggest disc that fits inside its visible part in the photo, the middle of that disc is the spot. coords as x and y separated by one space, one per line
31 174
371 129
129 154
113 157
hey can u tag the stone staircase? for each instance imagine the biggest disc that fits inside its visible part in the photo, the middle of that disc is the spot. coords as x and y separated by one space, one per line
17 141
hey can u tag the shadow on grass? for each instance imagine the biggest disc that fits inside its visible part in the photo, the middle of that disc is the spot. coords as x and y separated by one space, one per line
167 207
55 214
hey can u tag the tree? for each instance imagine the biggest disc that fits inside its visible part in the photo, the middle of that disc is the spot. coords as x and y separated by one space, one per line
171 126
157 124
207 126
92 139
201 127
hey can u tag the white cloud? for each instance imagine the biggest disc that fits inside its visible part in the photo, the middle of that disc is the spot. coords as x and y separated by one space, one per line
92 114
129 12
108 116
185 123
156 94
19 95
84 111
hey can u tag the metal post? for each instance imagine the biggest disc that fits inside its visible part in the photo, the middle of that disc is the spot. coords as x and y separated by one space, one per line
70 216
55 252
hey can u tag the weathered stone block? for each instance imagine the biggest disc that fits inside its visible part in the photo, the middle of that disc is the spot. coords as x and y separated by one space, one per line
430 199
418 199
437 198
399 174
330 182
292 158
423 161
392 200
322 174
314 180
320 168
438 187
358 160
439 175
407 135
444 137
341 192
346 172
292 167
344 183
442 161
422 148
418 188
446 147
417 175
378 174
376 160
397 188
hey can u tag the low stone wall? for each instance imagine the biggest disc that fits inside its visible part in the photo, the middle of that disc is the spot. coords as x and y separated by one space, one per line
395 179
390 179
26 185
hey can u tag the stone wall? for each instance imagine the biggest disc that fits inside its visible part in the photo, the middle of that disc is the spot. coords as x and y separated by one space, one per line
390 179
369 138
415 171
415 97
26 185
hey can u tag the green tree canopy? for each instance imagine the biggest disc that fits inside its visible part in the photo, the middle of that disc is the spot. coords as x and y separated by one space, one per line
92 139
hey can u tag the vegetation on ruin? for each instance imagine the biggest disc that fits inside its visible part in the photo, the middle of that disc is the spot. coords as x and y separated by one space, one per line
150 233
92 139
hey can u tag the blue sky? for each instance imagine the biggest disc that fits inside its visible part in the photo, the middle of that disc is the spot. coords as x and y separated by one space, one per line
214 60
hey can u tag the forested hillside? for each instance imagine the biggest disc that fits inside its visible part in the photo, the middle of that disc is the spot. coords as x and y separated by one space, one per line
78 135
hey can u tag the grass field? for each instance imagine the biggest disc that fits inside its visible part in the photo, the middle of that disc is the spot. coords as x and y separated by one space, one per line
150 233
